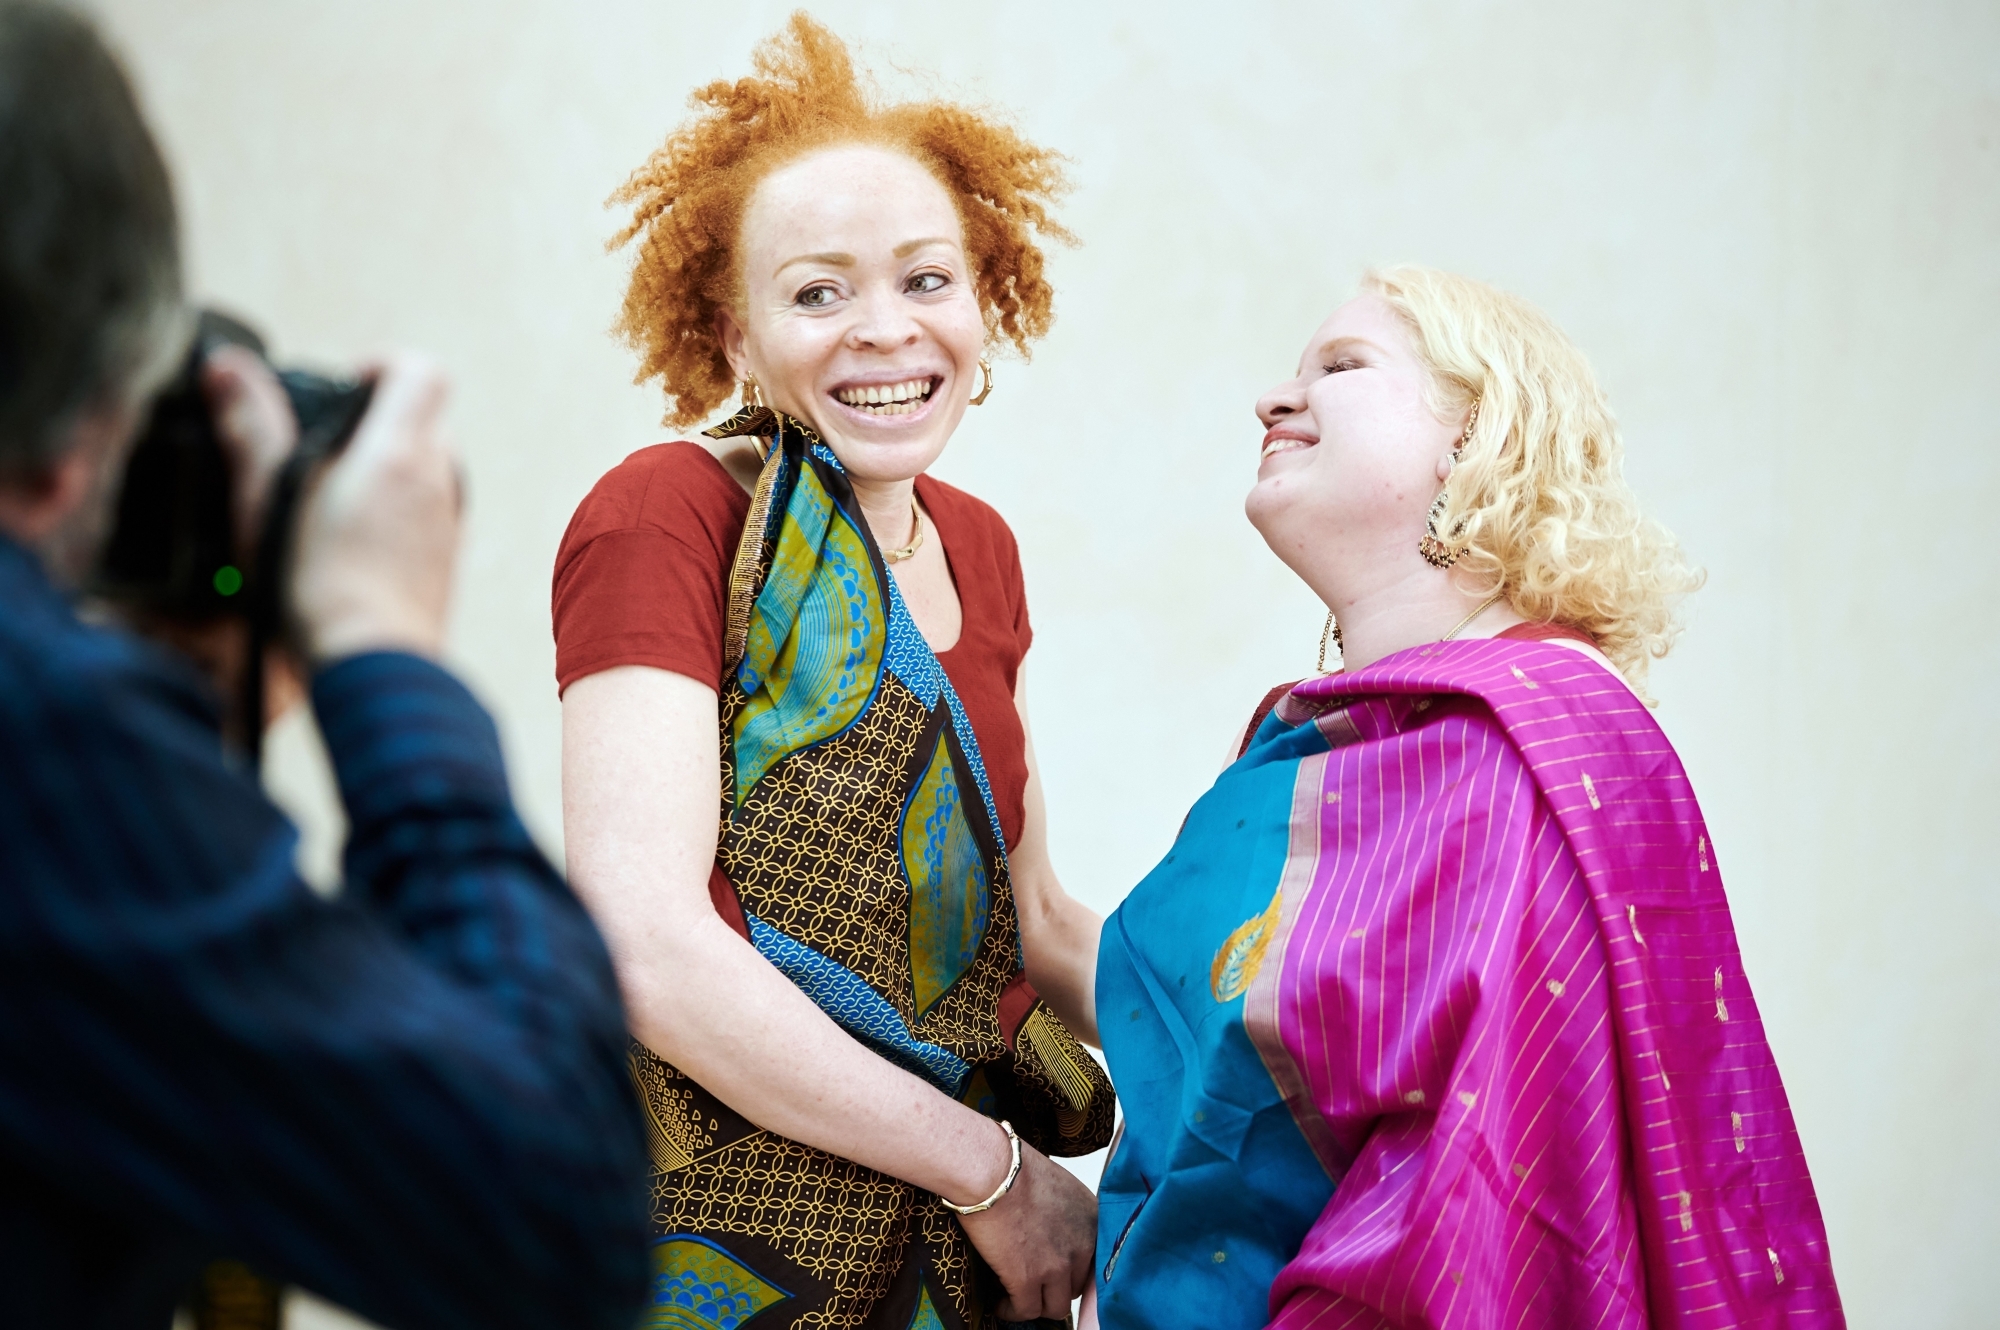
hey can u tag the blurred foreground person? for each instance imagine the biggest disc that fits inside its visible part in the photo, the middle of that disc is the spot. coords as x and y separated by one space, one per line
797 783
411 1100
1434 1015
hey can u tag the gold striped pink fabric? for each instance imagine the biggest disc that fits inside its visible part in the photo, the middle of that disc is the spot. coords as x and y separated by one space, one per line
1511 1017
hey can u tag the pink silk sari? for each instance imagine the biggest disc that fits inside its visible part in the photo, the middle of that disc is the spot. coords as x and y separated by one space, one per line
1505 1005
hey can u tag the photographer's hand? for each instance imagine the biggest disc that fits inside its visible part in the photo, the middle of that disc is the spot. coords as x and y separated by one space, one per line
378 535
255 425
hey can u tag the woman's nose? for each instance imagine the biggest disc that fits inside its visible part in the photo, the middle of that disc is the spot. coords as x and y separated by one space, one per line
1287 399
884 323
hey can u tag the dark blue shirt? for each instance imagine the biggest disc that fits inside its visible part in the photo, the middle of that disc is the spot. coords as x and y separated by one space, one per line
412 1099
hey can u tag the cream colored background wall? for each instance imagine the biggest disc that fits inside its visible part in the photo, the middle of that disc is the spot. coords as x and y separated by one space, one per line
1775 227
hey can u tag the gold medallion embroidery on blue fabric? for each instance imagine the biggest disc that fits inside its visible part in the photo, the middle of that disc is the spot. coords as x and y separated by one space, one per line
1242 953
816 637
698 1286
948 895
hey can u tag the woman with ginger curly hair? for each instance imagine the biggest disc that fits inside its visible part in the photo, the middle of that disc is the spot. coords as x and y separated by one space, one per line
797 785
1434 1013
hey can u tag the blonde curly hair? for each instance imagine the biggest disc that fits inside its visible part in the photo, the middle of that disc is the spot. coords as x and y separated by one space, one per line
1538 498
688 200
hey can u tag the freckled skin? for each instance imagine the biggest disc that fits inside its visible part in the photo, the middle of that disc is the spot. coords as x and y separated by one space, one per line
1354 457
811 324
1377 452
855 274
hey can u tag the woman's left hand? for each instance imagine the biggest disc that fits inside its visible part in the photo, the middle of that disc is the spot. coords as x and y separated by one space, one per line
1041 1239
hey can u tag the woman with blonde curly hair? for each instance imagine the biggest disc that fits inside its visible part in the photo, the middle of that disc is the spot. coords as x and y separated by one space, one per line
1434 1013
798 790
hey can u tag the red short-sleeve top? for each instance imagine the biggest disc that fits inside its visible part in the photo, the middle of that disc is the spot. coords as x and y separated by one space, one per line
642 578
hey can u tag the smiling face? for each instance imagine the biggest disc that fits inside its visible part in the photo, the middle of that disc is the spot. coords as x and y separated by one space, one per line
858 313
1352 455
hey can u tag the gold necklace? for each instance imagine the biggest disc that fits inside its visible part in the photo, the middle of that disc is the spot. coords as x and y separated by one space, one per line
1332 629
1332 632
1484 606
916 541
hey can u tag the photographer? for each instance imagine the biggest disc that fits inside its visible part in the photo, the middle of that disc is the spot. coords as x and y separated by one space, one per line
412 1099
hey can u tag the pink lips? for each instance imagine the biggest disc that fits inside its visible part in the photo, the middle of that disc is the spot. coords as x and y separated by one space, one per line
1277 432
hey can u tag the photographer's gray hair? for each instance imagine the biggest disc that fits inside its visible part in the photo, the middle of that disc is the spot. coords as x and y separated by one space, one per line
90 273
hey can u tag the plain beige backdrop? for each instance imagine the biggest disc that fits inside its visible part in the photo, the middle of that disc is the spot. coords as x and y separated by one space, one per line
1774 226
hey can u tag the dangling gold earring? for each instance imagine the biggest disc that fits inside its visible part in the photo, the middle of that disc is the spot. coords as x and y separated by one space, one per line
754 421
1432 546
1329 633
986 382
1437 552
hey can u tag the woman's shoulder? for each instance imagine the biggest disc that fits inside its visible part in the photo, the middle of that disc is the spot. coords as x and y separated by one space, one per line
967 515
985 560
1564 636
678 489
1264 708
641 575
980 539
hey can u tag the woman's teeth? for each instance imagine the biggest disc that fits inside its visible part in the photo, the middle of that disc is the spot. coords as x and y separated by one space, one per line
893 399
1280 445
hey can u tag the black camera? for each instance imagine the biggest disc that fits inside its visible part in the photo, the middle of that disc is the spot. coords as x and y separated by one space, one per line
174 555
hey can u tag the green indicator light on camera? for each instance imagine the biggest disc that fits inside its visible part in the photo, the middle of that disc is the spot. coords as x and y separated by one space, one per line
228 579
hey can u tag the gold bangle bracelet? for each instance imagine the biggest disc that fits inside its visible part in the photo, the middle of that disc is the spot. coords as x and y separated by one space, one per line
1006 1183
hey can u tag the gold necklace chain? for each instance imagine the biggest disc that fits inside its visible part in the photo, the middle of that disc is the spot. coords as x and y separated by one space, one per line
1332 629
917 541
1484 606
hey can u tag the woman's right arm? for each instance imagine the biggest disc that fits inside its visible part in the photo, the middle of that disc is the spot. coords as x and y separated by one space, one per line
641 790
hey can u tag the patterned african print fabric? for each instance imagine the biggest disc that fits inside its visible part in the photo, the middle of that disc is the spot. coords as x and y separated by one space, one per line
1434 1016
860 853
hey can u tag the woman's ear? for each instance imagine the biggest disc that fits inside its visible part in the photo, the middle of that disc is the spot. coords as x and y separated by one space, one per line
730 334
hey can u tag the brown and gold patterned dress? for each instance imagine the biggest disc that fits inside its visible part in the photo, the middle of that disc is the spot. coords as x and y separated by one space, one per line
861 853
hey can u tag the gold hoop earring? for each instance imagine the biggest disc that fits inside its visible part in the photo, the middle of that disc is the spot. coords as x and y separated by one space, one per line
1439 552
986 382
752 399
1329 633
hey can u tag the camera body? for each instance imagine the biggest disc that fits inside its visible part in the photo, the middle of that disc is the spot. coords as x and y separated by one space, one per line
174 555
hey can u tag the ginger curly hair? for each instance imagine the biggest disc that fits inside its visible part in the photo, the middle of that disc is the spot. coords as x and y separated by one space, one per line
1538 498
688 201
